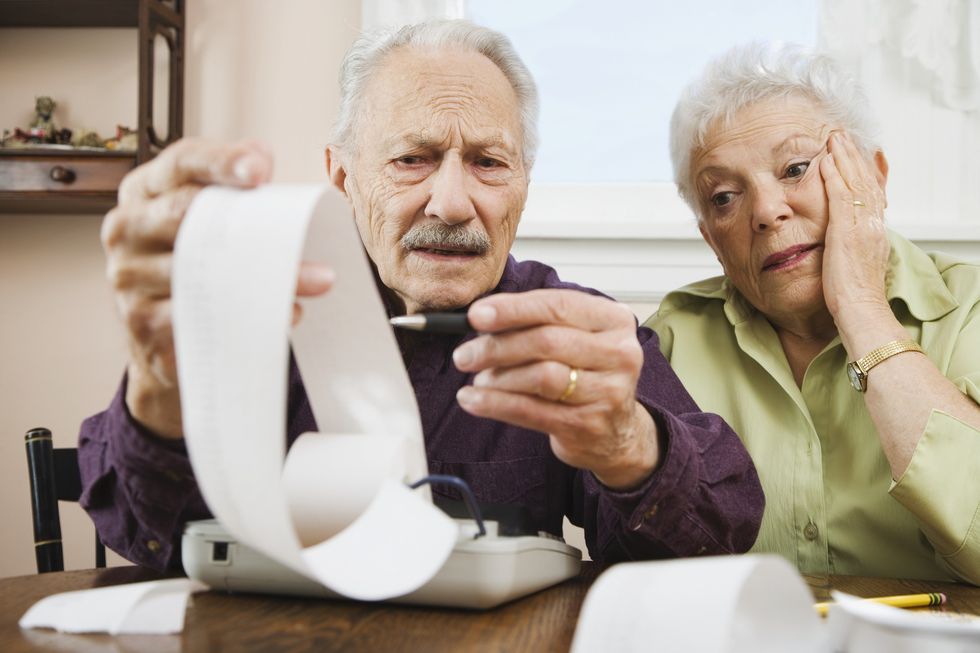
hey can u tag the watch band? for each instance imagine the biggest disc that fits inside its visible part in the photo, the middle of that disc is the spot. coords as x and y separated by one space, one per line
858 370
878 355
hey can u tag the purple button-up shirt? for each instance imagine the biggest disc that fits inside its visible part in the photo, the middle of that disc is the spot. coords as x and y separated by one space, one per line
704 498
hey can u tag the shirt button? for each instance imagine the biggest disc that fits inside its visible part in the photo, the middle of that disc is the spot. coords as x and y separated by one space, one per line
153 546
810 531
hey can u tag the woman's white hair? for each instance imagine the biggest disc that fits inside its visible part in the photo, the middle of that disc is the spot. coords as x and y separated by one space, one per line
748 74
370 50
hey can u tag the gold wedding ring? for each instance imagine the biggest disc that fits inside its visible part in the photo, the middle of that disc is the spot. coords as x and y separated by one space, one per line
858 203
572 382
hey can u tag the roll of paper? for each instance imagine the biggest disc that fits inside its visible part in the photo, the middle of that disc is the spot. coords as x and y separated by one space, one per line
340 511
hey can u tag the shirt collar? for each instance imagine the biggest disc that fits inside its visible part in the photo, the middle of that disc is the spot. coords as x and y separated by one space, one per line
509 280
914 279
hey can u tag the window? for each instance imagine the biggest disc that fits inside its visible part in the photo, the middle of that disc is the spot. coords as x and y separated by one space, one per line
610 72
602 207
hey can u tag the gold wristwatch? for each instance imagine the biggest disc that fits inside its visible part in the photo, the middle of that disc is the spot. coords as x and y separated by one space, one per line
857 371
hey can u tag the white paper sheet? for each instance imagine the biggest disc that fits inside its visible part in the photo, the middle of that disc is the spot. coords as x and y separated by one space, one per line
756 604
235 266
153 608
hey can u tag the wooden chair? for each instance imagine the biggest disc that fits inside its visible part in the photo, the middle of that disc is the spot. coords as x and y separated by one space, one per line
54 477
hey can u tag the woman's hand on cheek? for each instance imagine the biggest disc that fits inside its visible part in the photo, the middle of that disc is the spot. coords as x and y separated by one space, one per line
856 244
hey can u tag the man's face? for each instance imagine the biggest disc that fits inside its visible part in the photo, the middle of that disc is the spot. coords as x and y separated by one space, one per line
436 175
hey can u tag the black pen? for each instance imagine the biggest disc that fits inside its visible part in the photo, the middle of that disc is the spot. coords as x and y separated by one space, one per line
433 322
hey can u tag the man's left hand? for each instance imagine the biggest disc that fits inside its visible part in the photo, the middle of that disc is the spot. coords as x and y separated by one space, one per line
565 363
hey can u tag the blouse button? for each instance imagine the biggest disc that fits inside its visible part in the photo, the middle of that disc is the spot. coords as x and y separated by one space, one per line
810 531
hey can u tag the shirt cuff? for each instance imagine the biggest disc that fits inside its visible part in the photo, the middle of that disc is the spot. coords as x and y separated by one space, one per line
157 479
659 510
941 488
134 446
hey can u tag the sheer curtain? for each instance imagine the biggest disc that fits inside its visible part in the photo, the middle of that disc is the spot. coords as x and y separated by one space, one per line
378 14
919 61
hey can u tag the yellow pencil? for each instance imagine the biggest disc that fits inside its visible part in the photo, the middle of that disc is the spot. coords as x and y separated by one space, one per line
901 601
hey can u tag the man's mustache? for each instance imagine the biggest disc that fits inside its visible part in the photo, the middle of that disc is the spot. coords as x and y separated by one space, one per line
437 235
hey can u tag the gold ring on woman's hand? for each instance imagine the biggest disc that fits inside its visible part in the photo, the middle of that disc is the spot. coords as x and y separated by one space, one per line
858 203
573 373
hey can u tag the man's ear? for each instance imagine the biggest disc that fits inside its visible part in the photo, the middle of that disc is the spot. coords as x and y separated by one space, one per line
336 169
881 172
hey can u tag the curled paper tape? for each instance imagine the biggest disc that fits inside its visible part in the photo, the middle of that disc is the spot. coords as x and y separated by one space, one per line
745 604
331 511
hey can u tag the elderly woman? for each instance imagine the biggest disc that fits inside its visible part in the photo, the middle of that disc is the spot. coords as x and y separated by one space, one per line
847 358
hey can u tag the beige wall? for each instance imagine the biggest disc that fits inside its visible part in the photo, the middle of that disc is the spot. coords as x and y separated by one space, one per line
254 69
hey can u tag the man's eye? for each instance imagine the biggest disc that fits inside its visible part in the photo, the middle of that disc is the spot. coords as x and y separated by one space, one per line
797 169
410 160
722 199
487 162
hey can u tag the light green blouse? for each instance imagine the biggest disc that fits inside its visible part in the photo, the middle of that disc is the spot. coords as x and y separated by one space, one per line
831 504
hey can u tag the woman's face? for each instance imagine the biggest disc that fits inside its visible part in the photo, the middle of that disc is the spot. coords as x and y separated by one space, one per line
763 205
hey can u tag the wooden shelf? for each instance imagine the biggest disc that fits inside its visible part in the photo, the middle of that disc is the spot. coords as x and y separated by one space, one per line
39 180
76 13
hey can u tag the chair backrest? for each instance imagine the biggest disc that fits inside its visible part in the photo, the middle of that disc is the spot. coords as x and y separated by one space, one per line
54 477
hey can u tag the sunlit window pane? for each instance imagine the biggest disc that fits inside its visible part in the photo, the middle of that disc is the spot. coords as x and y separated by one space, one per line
610 71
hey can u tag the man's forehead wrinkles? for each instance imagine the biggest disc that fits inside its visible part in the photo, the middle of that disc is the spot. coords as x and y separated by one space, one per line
445 76
449 103
462 102
446 121
405 83
420 104
424 138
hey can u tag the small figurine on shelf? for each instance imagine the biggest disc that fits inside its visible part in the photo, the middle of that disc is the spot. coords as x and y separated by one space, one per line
21 138
43 129
43 132
85 138
126 139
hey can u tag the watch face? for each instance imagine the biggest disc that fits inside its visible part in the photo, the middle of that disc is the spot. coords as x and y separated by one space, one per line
854 375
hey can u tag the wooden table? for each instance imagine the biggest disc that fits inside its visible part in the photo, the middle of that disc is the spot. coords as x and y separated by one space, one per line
217 622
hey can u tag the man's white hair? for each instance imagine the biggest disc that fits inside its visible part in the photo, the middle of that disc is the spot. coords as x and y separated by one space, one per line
748 74
370 50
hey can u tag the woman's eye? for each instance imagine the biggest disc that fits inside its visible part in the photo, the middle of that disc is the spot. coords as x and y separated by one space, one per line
487 162
410 160
721 199
797 169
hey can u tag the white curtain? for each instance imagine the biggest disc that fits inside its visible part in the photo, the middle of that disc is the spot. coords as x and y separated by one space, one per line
919 61
377 14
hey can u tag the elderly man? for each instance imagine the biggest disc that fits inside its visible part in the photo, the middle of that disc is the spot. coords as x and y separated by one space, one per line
560 404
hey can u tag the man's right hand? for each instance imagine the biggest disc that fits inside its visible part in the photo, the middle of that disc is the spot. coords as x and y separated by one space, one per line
138 236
